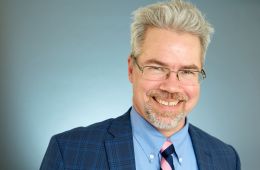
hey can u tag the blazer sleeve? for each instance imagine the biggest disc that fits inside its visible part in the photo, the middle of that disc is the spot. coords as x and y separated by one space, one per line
52 159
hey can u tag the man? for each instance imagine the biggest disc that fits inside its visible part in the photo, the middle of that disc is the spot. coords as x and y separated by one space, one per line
169 42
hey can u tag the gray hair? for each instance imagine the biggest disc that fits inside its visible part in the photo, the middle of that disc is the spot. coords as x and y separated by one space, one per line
175 15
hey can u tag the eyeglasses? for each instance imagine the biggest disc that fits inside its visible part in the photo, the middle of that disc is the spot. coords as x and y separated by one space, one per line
185 76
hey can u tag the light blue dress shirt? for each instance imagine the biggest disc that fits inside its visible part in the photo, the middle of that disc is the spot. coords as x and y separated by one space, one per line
148 142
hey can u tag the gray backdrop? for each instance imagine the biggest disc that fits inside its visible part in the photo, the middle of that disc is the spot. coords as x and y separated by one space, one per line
64 64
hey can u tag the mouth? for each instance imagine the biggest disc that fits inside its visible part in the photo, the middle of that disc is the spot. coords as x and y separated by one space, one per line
167 102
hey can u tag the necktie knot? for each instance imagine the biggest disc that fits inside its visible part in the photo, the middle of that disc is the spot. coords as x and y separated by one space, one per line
167 149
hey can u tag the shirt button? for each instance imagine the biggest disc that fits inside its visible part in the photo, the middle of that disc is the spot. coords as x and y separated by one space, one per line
151 157
180 160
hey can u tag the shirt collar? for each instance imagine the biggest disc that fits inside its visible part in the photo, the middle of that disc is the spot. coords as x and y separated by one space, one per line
151 140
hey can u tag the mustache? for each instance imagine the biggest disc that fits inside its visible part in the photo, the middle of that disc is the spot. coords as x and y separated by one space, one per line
166 95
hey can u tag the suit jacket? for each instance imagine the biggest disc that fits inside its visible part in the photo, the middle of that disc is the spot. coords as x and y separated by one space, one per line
109 145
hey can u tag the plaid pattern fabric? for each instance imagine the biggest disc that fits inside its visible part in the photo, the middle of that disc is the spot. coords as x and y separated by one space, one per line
108 145
211 153
101 146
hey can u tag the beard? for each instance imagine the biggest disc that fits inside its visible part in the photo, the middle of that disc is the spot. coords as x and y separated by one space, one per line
161 118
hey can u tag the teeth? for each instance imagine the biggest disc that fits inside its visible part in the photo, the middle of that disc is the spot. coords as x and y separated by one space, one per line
173 103
167 103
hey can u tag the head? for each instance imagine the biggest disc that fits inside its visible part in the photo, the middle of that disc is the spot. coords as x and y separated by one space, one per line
172 35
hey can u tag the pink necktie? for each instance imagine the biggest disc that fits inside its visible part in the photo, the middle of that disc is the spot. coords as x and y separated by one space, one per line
166 151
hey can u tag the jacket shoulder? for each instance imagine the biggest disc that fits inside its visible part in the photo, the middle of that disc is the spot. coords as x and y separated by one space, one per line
197 133
85 147
92 132
78 146
224 155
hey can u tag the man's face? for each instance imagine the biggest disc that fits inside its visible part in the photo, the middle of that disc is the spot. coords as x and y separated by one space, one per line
165 103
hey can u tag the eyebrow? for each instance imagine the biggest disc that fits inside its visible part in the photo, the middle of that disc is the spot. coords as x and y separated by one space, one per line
191 67
154 61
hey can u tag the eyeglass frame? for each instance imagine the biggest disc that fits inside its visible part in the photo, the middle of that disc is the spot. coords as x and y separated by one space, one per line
202 73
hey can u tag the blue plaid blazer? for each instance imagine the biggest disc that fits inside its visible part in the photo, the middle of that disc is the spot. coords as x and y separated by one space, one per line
108 145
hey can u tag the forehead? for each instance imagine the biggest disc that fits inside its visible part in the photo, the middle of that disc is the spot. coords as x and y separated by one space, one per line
171 48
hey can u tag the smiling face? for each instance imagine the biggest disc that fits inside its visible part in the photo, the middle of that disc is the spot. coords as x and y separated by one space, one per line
165 103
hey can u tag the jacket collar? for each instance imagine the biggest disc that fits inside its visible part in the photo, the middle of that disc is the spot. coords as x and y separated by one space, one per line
202 152
119 144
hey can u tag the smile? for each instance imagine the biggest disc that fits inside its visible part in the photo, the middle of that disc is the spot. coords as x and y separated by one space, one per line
166 103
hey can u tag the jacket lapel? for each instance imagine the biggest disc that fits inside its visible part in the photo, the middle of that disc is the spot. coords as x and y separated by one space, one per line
203 156
119 144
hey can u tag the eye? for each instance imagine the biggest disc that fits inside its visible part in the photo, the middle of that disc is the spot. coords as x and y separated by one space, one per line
188 72
155 69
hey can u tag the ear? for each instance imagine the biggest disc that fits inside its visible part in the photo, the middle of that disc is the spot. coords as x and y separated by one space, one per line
130 69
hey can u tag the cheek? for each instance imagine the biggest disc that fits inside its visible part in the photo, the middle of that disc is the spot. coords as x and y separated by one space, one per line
141 87
193 93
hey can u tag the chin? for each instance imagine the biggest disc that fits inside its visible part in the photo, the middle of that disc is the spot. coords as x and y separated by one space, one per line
165 120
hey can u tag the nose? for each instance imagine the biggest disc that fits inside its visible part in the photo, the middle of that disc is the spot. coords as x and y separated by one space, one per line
171 84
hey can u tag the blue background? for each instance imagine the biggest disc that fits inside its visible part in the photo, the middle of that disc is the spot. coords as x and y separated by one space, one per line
64 64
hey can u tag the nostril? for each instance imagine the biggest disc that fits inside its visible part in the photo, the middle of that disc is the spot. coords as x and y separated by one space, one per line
171 85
